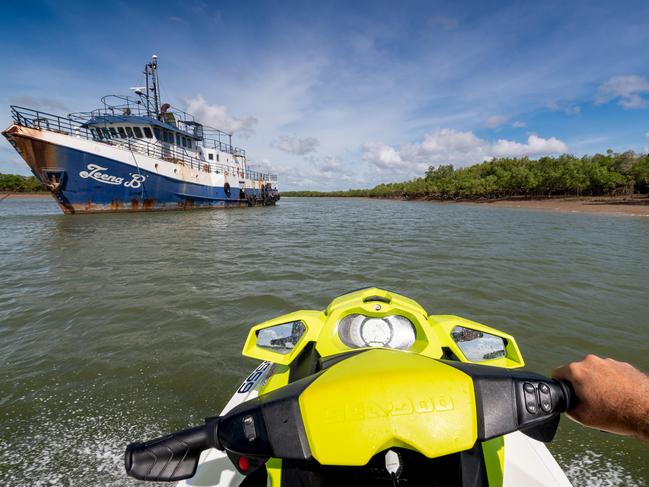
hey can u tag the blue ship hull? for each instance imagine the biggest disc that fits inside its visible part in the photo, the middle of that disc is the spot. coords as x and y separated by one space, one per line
83 182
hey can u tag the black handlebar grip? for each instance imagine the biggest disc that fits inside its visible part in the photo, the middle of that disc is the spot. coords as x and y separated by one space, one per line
569 396
171 457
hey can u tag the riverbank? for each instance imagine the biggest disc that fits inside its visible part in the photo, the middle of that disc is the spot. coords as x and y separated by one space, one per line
611 205
636 205
23 196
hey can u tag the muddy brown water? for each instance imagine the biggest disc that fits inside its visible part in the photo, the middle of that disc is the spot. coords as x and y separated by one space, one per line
119 327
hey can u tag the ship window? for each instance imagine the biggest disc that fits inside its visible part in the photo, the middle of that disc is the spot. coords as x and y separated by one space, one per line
156 131
122 134
217 158
184 141
190 143
178 139
106 133
113 132
147 132
210 157
129 131
137 132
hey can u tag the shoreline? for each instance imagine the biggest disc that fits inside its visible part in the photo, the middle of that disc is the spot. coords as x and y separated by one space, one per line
22 196
602 205
636 205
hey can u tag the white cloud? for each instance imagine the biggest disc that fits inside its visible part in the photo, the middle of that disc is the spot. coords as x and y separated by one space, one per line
296 145
448 146
218 116
382 155
38 102
628 90
535 146
566 108
518 124
495 121
320 174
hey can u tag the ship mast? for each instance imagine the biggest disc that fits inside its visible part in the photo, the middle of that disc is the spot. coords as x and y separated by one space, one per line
151 71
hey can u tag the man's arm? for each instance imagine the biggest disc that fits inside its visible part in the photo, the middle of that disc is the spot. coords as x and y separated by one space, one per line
613 396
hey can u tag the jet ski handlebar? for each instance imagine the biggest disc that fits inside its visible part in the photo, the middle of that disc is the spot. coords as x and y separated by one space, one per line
171 457
271 425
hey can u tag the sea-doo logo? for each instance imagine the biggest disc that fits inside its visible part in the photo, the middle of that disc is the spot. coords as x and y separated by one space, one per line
252 379
95 172
375 410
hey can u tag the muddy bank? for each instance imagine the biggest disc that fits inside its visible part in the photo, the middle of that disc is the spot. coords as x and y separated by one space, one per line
19 196
613 205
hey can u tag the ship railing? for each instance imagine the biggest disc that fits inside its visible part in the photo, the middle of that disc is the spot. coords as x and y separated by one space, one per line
217 144
74 126
118 105
37 119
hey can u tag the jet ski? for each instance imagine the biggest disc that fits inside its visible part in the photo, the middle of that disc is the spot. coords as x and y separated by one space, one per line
372 391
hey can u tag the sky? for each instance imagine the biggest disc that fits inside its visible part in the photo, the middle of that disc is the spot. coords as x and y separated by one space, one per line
337 95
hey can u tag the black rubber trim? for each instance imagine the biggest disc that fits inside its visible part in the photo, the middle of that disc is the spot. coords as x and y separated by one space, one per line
544 431
334 359
278 424
495 398
448 354
500 410
256 478
305 364
474 469
381 299
367 287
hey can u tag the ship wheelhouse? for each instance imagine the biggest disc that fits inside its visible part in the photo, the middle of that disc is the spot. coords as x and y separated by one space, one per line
171 133
143 128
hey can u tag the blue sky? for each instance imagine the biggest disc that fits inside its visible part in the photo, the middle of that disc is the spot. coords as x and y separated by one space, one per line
335 95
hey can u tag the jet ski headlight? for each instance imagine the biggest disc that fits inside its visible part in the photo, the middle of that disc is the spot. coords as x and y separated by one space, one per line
360 331
281 338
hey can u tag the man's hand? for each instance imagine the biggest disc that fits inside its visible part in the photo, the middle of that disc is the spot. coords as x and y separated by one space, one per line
612 396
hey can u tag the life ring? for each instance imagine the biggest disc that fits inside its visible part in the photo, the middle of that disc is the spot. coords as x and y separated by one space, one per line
227 190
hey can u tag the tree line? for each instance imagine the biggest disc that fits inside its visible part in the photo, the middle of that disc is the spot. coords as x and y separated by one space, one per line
608 174
13 183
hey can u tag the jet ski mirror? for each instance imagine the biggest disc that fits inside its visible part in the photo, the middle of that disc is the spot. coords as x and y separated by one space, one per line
281 338
478 346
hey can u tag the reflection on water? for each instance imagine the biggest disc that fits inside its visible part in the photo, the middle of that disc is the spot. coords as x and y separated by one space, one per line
116 327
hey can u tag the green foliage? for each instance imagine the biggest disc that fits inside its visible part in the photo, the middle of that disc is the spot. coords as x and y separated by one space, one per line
565 175
14 183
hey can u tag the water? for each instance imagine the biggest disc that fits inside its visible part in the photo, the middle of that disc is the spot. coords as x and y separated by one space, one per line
115 328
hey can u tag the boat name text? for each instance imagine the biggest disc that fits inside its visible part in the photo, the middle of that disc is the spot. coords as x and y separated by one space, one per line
95 172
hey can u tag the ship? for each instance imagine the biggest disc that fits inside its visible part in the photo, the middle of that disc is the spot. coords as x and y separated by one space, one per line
135 153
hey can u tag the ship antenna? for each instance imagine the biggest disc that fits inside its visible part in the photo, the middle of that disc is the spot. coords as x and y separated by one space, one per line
146 93
151 70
